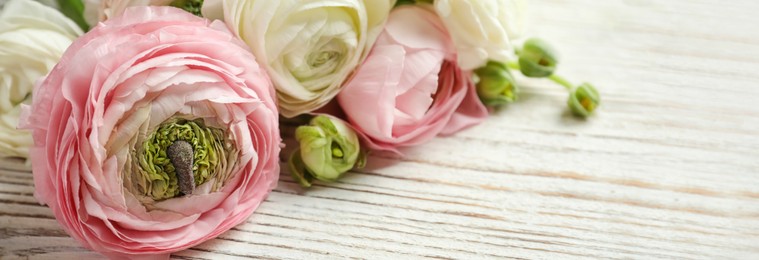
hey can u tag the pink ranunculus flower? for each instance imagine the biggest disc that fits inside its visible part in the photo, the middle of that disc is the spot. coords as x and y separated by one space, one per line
156 131
410 88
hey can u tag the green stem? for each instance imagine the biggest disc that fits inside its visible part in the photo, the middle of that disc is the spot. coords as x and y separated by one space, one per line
514 65
561 81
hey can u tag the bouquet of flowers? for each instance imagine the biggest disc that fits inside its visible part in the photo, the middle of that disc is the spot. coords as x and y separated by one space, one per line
154 125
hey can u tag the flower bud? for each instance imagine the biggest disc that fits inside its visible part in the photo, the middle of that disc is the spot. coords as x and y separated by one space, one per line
328 148
584 99
537 59
496 85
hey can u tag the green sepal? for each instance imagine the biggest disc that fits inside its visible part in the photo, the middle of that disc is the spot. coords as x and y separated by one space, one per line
584 99
496 85
298 170
537 58
191 6
313 137
325 124
362 158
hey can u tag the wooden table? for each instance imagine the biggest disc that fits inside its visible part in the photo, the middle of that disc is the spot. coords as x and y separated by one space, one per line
668 168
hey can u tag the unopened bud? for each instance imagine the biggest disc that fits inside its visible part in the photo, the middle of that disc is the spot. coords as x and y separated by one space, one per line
496 85
537 59
583 100
328 149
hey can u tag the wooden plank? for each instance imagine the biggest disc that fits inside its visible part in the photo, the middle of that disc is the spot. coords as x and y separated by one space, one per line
668 168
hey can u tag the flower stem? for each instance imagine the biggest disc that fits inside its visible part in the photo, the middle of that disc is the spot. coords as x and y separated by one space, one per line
513 65
561 81
555 78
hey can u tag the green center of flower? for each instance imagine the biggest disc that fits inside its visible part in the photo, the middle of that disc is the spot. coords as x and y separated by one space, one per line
588 104
508 92
179 156
337 152
322 60
192 6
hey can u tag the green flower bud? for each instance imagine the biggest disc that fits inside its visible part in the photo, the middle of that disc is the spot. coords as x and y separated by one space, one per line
191 6
496 85
584 99
537 59
328 149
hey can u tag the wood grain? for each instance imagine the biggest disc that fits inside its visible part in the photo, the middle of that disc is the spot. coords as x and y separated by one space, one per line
669 168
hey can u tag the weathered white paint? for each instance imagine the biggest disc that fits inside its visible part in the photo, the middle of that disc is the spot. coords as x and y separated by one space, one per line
669 168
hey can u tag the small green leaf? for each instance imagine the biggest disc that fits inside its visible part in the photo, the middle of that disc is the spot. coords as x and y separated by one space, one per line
191 6
298 170
74 10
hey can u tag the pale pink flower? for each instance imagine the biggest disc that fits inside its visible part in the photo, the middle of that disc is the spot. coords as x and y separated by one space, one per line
93 117
410 88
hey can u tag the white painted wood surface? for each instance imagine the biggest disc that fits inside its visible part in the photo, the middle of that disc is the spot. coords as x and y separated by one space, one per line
669 168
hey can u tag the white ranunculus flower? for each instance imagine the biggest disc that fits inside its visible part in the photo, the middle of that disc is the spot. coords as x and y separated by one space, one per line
309 47
32 39
482 29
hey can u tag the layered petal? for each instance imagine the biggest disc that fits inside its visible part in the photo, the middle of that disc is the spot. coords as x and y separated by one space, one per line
103 117
410 89
482 30
308 47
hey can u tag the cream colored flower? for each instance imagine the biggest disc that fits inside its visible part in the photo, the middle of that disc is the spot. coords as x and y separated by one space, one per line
482 29
32 39
309 48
